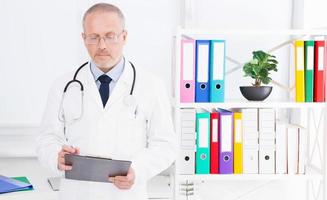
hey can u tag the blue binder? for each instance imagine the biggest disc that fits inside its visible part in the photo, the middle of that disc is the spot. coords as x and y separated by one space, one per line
11 185
202 71
217 70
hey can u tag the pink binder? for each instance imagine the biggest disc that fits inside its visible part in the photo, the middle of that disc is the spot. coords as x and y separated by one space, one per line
187 77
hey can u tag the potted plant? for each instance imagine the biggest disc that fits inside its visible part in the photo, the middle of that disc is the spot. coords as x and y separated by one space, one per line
259 69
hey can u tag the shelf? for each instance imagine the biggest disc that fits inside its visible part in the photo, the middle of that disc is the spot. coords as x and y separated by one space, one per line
249 177
311 174
252 105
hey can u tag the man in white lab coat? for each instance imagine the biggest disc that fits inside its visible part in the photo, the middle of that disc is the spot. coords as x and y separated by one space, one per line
109 123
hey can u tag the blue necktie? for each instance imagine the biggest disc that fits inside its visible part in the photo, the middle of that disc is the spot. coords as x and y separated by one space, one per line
104 88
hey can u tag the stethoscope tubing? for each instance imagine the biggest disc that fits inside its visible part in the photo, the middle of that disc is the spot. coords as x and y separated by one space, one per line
75 80
82 86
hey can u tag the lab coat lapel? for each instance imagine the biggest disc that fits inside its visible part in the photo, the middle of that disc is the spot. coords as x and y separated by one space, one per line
91 87
123 85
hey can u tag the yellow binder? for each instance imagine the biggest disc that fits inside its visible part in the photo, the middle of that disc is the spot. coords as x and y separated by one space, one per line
238 143
299 71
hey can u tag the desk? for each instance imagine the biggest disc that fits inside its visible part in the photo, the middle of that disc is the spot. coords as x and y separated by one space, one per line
37 175
29 167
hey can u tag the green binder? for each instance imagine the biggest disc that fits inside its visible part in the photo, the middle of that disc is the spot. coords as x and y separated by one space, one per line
202 156
24 180
309 67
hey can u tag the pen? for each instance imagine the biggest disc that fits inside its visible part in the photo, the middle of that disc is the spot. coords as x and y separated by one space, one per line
66 138
135 112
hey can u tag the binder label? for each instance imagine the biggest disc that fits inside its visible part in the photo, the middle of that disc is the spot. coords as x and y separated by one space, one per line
300 60
203 58
226 134
238 127
214 130
320 58
218 61
188 62
203 135
310 54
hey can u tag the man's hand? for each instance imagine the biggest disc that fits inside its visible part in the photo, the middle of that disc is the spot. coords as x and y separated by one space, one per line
124 182
61 156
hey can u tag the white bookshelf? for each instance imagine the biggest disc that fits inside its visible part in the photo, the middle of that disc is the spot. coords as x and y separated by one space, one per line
313 173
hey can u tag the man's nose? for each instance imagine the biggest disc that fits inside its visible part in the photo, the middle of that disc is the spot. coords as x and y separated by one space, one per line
102 43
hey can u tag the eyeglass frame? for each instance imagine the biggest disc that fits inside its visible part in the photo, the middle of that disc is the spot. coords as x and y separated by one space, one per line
108 40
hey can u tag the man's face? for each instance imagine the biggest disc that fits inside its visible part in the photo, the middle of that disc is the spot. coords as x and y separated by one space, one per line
104 38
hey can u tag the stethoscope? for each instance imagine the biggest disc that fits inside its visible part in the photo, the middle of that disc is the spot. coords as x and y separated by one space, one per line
128 101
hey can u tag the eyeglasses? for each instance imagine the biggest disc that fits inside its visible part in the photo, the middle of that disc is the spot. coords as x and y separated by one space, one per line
109 38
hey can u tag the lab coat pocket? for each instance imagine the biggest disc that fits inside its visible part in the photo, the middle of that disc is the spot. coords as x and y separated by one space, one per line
133 132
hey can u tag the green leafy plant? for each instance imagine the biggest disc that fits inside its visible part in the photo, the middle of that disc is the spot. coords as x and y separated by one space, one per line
260 66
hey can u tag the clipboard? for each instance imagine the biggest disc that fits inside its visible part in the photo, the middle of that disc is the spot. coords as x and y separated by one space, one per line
97 169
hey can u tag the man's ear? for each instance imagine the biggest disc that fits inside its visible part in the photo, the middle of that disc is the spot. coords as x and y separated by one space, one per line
83 35
125 36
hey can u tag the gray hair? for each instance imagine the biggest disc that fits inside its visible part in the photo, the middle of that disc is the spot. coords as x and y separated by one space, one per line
105 7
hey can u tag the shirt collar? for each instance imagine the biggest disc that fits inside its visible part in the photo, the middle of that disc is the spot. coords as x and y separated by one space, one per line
114 73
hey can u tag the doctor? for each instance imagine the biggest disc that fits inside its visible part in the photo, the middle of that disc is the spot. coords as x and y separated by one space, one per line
106 120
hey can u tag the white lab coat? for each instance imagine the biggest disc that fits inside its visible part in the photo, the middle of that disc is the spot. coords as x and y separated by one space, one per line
142 132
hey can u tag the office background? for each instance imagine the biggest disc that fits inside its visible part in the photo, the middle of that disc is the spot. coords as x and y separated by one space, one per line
41 40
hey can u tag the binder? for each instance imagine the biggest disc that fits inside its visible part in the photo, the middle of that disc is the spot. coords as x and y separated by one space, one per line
202 71
14 184
292 149
309 65
319 72
267 159
302 150
187 161
250 141
217 70
266 141
267 155
202 155
214 144
267 121
226 142
238 143
187 152
281 148
250 159
187 76
188 128
299 71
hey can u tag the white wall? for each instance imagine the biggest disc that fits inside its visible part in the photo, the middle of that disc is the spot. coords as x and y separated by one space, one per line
310 14
40 40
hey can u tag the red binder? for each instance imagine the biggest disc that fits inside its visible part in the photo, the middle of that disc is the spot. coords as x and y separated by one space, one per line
214 147
319 72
